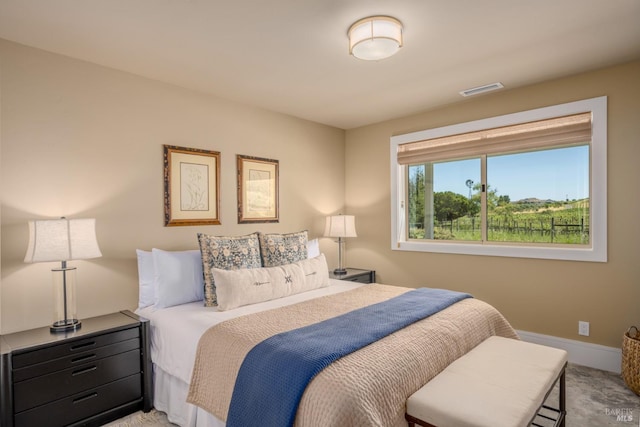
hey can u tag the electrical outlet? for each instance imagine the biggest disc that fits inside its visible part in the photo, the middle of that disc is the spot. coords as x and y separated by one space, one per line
583 328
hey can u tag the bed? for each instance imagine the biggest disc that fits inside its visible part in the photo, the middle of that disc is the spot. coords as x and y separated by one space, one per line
368 387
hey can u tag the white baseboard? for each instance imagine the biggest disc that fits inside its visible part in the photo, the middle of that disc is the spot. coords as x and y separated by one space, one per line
581 353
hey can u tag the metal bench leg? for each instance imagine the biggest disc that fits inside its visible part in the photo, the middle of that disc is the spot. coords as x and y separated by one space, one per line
412 421
562 397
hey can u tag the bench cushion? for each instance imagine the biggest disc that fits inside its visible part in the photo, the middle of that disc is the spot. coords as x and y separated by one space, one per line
501 382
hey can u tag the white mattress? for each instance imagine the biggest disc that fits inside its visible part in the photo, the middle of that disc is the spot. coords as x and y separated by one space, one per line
175 332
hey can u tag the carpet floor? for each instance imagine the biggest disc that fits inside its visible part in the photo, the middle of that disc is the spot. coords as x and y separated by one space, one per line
594 398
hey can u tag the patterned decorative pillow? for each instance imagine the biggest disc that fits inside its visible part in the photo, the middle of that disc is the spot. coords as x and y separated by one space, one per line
226 253
280 249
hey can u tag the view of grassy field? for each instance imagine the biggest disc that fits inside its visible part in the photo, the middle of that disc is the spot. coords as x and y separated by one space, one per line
528 221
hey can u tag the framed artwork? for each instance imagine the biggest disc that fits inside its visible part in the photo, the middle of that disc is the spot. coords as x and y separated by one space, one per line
257 190
191 186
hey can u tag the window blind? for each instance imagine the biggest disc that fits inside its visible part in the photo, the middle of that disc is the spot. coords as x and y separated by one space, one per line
556 132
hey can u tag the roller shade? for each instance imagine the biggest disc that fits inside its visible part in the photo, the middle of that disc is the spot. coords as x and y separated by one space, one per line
557 132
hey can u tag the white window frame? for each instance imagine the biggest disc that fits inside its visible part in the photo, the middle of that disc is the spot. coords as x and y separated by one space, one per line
595 252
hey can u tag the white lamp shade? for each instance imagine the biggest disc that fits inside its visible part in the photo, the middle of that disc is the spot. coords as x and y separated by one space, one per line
340 226
375 38
62 240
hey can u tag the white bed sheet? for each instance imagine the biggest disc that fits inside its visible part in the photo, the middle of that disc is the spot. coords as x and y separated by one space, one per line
175 332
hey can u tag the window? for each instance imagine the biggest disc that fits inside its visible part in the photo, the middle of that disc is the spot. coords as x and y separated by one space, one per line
529 184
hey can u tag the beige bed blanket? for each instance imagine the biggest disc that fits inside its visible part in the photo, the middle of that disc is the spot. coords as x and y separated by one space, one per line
366 388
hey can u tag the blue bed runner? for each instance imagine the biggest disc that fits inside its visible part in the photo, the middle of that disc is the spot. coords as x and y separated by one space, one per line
275 373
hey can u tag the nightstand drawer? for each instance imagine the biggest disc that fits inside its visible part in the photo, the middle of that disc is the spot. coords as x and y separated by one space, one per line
74 360
46 354
354 275
362 278
82 405
46 388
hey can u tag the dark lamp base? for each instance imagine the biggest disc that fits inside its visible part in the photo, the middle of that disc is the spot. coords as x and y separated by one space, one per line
339 271
65 325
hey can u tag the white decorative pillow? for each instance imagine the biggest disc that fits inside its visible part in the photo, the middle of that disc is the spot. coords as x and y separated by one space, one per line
146 285
313 248
178 277
316 272
236 288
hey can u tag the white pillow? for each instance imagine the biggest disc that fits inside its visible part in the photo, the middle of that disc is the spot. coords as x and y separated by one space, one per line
146 285
316 272
313 248
235 288
178 277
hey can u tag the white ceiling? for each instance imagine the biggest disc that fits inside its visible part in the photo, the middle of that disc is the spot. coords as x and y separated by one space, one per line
291 56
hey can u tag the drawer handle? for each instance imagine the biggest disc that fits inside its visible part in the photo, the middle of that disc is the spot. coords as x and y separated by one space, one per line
84 371
83 358
83 345
83 398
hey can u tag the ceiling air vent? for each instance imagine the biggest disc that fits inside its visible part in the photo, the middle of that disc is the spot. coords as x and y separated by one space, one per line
481 89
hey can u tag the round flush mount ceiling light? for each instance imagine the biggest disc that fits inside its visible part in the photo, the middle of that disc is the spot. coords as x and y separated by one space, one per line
375 38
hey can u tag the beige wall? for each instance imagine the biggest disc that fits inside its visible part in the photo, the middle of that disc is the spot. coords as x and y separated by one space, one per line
542 296
82 140
86 141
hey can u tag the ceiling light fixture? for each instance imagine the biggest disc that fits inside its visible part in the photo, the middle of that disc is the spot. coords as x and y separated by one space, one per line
375 38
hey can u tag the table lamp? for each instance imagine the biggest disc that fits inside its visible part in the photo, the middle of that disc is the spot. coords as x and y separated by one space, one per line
340 226
63 240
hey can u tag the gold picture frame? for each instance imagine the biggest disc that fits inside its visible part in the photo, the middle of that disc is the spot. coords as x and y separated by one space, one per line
191 186
258 189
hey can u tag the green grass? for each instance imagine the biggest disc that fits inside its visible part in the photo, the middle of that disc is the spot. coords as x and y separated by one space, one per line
571 226
504 236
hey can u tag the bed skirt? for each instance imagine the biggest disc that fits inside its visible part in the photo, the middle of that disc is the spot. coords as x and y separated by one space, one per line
170 397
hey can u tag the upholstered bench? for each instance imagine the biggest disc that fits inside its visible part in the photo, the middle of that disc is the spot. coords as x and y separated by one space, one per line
501 383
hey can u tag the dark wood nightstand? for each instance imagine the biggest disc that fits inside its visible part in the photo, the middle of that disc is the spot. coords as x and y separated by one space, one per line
355 275
87 377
